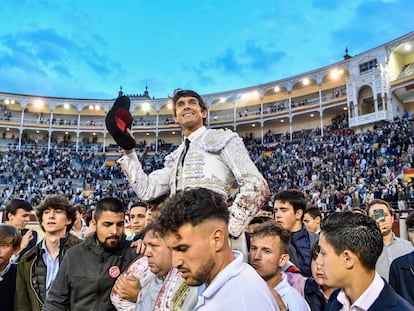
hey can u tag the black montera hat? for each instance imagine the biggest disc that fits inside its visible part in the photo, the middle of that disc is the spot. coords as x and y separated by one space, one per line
118 120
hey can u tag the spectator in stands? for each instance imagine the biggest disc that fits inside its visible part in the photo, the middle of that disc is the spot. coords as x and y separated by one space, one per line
18 215
394 247
38 267
10 239
312 219
402 198
94 264
316 291
137 214
195 225
268 254
350 245
289 209
219 156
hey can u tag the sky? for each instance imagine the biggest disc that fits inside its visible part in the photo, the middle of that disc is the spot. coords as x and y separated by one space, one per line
90 48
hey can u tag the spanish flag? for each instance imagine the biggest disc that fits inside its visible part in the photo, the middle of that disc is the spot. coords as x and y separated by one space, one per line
110 163
408 174
267 154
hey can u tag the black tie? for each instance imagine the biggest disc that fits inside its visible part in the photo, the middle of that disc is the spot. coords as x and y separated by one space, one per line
187 145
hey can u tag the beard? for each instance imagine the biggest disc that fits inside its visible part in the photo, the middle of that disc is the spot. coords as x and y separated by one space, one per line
202 274
110 246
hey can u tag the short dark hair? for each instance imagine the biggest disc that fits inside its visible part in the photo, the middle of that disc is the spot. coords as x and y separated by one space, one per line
14 204
178 93
313 211
270 228
56 202
192 206
355 232
410 220
108 204
139 204
294 197
379 201
10 235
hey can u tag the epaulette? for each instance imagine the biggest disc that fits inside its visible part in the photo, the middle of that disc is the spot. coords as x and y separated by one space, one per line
215 140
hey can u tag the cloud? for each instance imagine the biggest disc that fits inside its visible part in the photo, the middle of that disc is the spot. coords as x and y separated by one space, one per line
46 52
262 59
374 23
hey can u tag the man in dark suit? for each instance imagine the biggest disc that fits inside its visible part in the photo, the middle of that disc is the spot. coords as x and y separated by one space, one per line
350 245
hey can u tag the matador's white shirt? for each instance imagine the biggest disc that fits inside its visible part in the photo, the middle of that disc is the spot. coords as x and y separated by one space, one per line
216 159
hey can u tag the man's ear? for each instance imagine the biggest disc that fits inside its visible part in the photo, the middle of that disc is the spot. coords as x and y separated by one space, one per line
318 220
349 259
299 213
284 258
218 238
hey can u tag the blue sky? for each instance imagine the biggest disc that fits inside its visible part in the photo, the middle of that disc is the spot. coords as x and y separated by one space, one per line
89 48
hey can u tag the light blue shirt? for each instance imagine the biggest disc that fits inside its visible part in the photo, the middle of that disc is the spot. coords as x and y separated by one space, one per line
397 248
52 265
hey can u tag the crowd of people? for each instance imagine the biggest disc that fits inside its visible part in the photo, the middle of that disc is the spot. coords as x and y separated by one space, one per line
196 243
336 172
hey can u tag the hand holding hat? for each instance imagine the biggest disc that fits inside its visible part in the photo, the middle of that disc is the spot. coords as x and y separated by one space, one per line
118 120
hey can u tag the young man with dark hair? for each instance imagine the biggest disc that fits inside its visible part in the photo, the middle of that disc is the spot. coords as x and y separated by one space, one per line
137 215
268 254
18 215
312 219
38 267
89 270
350 245
394 247
10 239
195 225
208 158
290 206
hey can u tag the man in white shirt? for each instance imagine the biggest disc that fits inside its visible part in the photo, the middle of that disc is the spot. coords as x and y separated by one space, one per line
350 245
268 254
194 223
394 247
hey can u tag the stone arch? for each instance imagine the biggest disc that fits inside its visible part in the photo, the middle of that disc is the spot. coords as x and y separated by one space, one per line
366 103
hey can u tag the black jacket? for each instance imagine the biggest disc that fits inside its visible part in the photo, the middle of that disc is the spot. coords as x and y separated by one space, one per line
402 276
313 295
87 275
